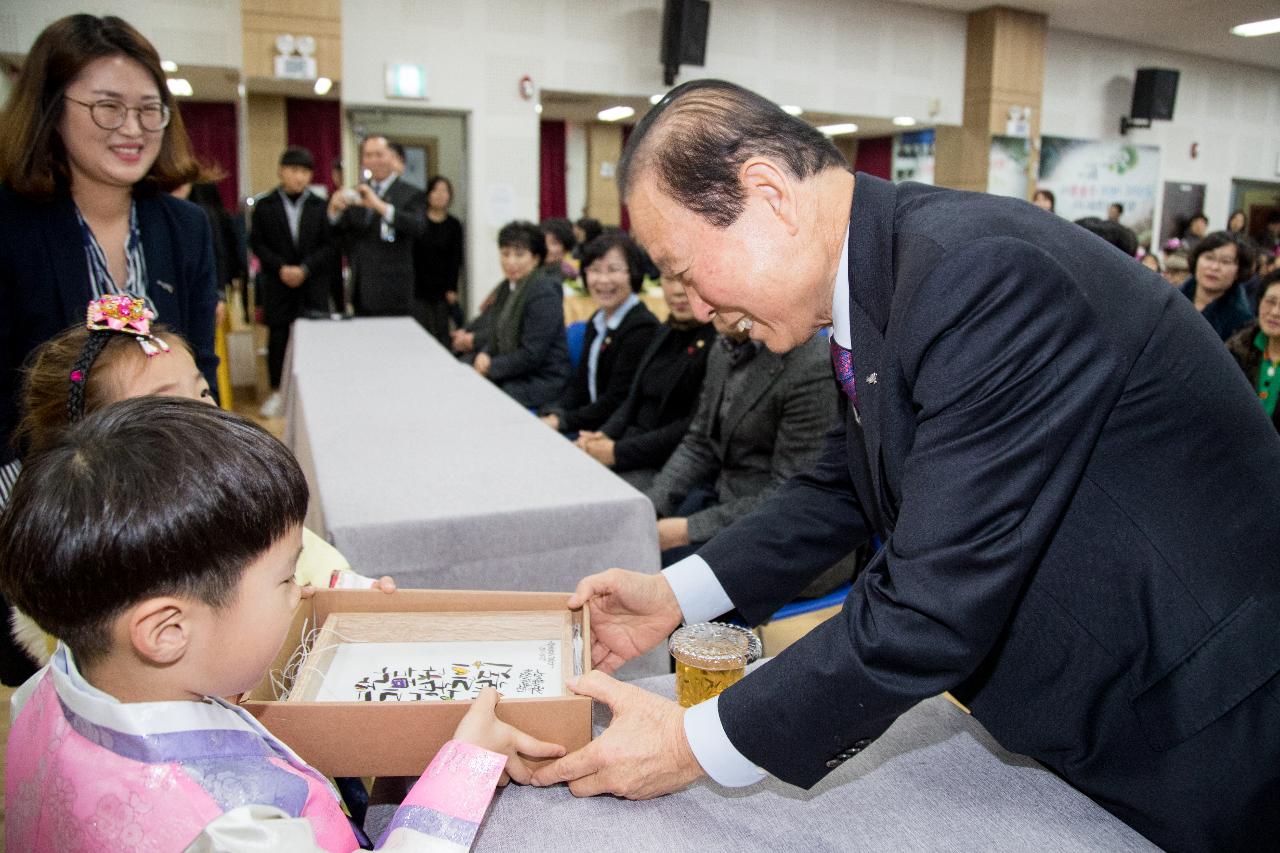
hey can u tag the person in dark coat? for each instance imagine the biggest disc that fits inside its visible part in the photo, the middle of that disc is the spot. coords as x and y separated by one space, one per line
618 334
1221 265
437 262
291 237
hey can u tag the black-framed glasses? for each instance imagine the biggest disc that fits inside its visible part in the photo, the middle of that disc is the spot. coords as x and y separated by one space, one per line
111 115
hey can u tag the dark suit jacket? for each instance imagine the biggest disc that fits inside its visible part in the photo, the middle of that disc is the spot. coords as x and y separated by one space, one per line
1069 474
772 430
273 244
620 355
664 394
535 372
44 281
381 271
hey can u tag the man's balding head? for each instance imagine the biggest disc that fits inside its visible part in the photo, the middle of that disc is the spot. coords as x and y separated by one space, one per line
695 141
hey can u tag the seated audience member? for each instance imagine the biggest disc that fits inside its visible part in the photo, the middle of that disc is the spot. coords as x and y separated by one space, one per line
1196 228
561 241
1256 347
640 436
1176 268
518 341
618 334
1113 232
761 419
121 741
1151 262
1044 199
585 230
1238 224
1220 263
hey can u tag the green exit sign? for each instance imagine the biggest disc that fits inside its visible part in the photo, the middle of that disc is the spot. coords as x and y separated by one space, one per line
406 81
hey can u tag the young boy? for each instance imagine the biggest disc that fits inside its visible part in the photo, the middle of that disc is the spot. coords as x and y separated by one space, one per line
158 540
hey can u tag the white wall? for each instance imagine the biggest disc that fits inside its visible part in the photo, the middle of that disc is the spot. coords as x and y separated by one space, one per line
1231 111
197 32
848 56
575 169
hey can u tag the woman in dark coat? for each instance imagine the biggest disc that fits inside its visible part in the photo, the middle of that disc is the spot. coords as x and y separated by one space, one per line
1221 263
618 334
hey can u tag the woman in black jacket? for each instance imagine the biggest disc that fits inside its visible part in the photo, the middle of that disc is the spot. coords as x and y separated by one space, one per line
617 336
637 440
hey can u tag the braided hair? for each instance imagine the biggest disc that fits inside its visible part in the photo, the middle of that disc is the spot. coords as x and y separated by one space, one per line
79 374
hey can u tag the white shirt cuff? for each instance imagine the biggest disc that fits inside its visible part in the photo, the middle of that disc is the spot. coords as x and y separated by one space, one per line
700 595
713 749
390 216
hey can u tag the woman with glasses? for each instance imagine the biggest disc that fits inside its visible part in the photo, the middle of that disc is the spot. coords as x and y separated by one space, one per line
618 334
90 146
1220 263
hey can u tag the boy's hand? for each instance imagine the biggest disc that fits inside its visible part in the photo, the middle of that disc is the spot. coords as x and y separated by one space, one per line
482 727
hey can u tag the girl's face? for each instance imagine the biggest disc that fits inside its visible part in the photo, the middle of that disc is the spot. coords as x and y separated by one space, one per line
609 280
114 158
171 374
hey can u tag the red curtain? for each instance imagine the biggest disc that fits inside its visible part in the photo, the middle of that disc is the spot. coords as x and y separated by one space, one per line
551 195
316 126
624 218
875 157
212 129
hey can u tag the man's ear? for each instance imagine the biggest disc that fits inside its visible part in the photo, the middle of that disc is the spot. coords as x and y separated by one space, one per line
764 179
161 629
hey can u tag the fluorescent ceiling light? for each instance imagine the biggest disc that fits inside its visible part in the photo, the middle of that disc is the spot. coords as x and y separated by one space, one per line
1257 28
615 113
904 121
323 85
792 109
180 86
838 129
168 66
653 99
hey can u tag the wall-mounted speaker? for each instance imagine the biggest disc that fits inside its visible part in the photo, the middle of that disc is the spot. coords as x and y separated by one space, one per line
1154 92
684 35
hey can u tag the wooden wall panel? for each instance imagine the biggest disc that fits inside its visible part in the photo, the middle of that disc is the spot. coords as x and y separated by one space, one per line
263 20
604 147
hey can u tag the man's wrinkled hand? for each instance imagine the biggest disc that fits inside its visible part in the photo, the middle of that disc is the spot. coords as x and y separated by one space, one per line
631 613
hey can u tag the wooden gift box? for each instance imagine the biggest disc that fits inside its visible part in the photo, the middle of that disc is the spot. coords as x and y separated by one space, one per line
400 738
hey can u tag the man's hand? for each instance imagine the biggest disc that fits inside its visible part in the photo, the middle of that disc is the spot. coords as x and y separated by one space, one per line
552 420
482 727
338 202
369 199
481 364
630 614
672 533
292 276
643 754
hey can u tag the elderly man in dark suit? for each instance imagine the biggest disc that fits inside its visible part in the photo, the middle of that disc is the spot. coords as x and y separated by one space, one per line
377 223
290 235
760 420
1067 471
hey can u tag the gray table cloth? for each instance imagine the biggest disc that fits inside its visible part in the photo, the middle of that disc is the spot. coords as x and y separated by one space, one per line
936 780
421 469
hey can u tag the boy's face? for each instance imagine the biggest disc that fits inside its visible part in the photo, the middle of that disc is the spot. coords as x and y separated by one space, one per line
242 638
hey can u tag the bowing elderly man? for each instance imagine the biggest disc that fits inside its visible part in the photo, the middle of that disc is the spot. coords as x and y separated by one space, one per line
1067 471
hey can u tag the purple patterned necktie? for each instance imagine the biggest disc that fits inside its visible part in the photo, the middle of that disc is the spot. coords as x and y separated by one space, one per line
842 359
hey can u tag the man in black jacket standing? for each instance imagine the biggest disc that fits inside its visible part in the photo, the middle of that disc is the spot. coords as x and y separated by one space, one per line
1069 476
377 223
291 237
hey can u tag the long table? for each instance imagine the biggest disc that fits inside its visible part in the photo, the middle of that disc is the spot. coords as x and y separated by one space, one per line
421 469
936 780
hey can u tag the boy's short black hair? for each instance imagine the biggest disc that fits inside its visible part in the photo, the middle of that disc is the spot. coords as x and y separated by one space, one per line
600 246
522 234
146 497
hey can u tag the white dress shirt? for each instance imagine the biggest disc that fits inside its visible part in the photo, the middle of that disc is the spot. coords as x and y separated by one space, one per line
701 598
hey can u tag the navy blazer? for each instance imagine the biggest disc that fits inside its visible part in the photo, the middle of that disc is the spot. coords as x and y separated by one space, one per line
44 281
382 277
1070 476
